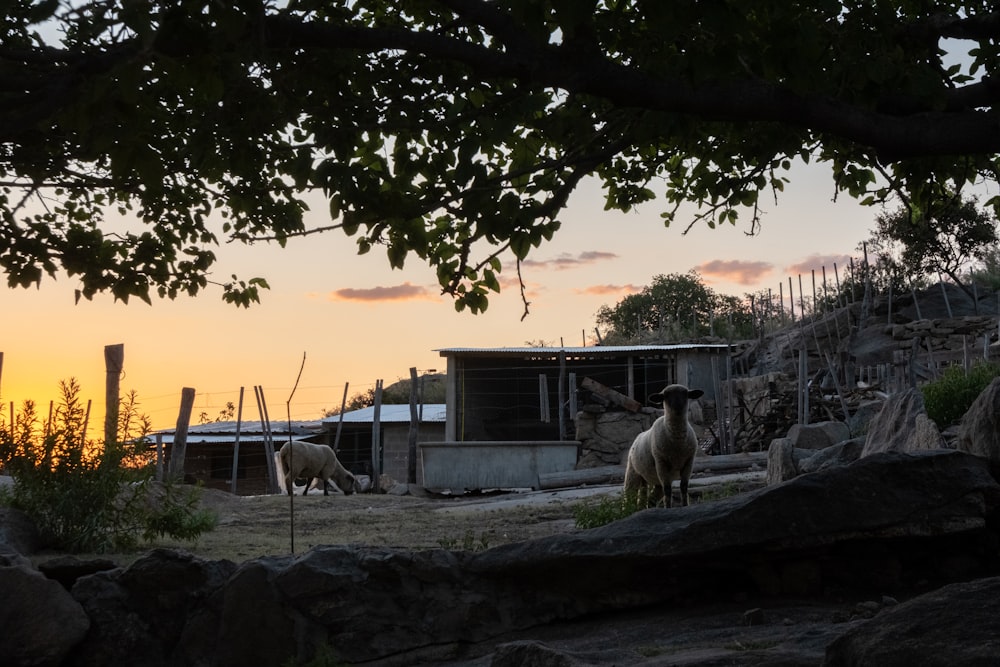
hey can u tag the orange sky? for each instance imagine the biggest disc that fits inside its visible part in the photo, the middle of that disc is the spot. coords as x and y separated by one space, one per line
358 321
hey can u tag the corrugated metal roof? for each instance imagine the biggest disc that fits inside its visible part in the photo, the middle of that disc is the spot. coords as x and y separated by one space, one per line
222 439
433 412
592 350
249 429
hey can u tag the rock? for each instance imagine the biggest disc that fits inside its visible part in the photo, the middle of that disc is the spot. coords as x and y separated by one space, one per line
861 418
954 625
841 454
886 523
41 622
818 435
67 569
979 432
605 438
902 426
152 612
534 653
18 532
783 461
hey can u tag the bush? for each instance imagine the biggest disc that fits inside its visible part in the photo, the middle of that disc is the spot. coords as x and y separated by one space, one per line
948 398
89 497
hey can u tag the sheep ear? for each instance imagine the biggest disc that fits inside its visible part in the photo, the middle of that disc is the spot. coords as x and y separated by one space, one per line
695 393
655 398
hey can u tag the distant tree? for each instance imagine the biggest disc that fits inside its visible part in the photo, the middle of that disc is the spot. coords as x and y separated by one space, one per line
138 136
941 238
670 307
432 385
226 414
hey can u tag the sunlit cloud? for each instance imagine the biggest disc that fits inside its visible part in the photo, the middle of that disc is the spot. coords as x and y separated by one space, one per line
609 290
816 262
404 292
509 284
566 261
735 270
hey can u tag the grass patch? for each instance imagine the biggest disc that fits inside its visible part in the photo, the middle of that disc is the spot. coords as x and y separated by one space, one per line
591 514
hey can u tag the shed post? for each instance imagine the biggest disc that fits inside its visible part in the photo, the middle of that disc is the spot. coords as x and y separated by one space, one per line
377 436
561 394
414 432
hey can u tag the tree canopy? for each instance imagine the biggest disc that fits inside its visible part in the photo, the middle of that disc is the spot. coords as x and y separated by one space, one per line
455 131
939 241
671 308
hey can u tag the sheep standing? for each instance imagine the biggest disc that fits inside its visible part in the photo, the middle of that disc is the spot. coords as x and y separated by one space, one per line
315 461
665 451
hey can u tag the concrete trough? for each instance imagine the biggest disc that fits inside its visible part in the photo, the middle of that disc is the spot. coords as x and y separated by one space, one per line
494 464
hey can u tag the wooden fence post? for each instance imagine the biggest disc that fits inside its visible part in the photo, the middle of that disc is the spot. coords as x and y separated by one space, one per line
236 445
114 361
175 469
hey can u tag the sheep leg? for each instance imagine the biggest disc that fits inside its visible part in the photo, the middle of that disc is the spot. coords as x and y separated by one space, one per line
685 477
306 489
665 477
326 487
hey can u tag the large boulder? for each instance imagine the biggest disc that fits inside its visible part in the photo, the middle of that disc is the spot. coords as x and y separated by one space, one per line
954 625
818 435
842 454
979 432
41 622
902 426
151 613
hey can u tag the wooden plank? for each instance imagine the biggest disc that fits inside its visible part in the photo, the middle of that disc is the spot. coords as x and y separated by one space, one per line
610 394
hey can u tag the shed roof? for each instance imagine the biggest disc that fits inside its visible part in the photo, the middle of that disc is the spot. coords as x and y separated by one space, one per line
592 351
432 412
250 431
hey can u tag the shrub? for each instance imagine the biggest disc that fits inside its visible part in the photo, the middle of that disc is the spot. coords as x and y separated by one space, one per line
949 397
90 497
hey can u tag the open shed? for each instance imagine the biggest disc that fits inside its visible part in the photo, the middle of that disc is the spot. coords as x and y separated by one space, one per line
526 393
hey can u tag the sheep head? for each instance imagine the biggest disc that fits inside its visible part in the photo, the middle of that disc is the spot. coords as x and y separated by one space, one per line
675 397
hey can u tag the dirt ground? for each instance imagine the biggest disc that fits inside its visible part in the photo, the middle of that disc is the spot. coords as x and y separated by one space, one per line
253 526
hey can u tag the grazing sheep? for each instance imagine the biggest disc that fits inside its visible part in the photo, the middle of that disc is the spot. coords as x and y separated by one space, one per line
315 461
665 451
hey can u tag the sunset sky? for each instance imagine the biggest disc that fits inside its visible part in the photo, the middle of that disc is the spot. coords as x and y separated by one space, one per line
358 321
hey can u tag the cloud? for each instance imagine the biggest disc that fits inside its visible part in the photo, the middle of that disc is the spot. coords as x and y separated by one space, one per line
404 292
567 261
817 262
734 270
609 290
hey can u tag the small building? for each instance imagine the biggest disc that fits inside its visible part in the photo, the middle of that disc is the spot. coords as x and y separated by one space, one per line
527 393
354 442
208 457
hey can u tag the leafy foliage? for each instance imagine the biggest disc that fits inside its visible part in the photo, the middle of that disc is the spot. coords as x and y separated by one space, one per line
674 307
941 239
87 497
948 398
456 133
